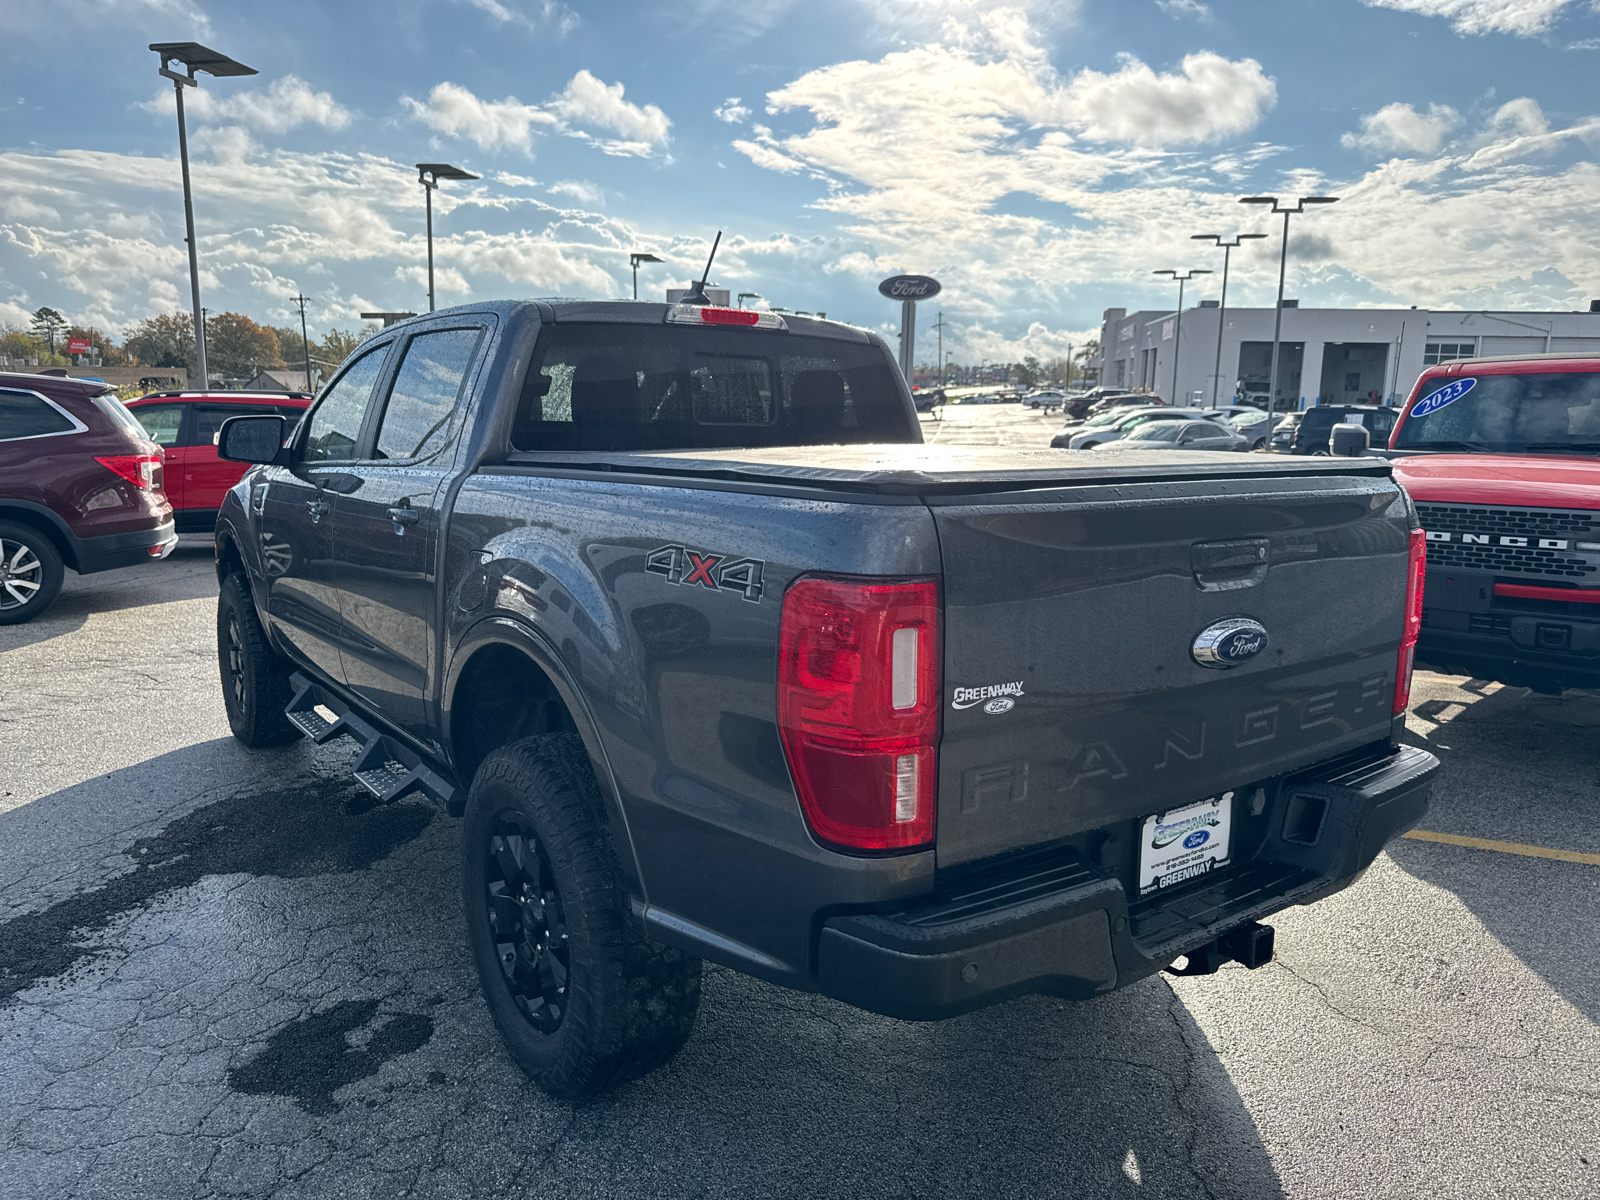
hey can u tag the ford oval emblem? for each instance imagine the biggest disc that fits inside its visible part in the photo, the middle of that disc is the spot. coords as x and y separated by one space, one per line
1000 704
910 287
1229 643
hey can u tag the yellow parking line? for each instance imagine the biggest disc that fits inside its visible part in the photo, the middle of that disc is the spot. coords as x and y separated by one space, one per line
1455 839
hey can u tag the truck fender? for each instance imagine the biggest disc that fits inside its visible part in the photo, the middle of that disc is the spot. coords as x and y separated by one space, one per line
507 631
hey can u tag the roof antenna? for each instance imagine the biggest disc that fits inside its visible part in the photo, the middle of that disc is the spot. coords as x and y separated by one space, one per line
697 293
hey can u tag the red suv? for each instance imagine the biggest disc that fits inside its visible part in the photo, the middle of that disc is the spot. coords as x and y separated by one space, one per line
80 487
1502 457
185 425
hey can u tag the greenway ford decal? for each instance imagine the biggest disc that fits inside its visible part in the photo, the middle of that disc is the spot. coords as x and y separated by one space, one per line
966 697
1448 394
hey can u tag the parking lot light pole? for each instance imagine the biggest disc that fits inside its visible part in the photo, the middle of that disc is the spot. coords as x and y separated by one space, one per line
1283 263
743 296
1222 308
1177 333
635 259
428 175
195 57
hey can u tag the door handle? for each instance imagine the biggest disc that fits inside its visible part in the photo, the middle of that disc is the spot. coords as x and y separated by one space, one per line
316 508
403 516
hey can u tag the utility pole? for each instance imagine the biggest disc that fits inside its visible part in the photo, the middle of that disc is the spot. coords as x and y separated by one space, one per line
200 350
939 326
305 339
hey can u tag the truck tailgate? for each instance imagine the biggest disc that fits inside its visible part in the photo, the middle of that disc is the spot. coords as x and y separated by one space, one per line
1073 698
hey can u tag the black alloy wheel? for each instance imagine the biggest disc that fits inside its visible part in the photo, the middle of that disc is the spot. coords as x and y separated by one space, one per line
255 681
30 573
526 922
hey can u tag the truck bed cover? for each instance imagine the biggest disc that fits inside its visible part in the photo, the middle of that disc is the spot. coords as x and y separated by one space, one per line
925 469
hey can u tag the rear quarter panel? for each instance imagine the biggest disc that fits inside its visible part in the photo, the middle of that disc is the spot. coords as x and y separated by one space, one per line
681 678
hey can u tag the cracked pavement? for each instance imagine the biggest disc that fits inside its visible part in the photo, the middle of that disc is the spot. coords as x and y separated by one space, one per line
226 973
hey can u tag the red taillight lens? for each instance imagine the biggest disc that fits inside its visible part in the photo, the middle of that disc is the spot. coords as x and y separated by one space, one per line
1416 572
141 470
858 708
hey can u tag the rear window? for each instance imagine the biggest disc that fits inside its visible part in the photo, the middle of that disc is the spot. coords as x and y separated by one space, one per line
24 415
638 387
118 413
1544 410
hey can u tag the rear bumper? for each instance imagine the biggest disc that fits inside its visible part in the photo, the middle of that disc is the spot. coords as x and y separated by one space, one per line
1519 651
1048 921
113 550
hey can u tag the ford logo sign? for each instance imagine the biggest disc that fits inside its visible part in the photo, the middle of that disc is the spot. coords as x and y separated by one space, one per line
1196 839
910 287
1229 643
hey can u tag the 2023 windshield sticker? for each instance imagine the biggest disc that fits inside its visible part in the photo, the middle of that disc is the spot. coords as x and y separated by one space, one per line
1449 394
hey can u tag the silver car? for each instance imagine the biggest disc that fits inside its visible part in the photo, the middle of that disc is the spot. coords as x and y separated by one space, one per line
1091 437
1181 435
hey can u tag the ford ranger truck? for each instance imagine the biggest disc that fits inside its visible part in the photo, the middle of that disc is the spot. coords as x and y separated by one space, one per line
1502 457
718 662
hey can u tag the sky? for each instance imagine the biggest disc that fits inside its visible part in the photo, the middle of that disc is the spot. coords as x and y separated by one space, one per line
1040 159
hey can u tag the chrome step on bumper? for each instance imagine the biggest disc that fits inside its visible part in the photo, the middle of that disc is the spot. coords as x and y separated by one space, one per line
383 765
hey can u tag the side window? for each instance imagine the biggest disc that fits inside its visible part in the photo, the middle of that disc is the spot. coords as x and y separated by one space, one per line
336 421
425 392
26 416
208 419
161 421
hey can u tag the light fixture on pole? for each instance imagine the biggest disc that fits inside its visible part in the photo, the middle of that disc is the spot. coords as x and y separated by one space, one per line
1283 263
429 175
1222 309
634 260
743 296
1177 334
197 58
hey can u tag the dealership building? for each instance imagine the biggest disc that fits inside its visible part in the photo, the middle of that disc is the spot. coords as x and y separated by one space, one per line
1327 355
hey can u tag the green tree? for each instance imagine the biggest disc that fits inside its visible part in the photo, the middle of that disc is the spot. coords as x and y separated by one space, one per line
164 341
338 346
48 324
17 343
237 346
1027 371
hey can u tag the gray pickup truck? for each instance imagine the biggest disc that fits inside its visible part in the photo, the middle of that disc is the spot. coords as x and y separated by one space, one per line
718 661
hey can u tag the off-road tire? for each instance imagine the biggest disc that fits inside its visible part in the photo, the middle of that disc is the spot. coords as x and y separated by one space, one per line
40 574
559 921
255 681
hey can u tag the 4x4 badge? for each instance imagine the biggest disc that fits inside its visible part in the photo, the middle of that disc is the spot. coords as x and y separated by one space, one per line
707 569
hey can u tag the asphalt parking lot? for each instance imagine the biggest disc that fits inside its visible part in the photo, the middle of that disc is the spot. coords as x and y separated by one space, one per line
225 973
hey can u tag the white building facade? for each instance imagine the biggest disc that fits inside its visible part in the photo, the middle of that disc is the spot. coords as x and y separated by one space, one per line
1327 355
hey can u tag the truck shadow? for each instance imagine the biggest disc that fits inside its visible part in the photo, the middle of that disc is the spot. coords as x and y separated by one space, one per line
777 1093
1519 767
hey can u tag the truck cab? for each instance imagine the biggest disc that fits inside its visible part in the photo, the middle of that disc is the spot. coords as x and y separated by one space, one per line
1502 457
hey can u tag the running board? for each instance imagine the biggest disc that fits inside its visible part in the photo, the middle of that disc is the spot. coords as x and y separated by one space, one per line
383 765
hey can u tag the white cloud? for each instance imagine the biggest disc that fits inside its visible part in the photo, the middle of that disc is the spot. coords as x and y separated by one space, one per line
1207 99
540 15
285 104
1185 8
445 279
1401 129
1525 18
587 100
491 124
579 189
731 111
510 124
1518 117
225 143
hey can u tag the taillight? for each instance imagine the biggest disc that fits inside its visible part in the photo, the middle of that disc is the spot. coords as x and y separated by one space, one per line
1416 571
858 708
141 470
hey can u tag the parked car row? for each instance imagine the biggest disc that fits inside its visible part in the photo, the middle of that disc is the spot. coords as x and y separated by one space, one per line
91 484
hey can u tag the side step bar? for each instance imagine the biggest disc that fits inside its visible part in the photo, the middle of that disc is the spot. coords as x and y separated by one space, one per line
384 765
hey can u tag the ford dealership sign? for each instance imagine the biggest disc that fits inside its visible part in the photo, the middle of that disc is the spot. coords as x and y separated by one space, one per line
909 287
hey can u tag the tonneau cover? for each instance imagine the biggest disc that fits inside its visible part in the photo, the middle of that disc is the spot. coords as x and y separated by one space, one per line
923 468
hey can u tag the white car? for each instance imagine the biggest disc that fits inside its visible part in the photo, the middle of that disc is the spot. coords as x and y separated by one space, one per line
1093 436
1180 435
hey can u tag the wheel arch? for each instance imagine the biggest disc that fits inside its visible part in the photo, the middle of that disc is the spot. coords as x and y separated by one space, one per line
475 718
37 516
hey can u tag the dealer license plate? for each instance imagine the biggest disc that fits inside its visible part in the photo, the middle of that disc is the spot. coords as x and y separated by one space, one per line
1185 843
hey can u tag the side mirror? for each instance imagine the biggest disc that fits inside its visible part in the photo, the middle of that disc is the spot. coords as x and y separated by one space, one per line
1349 441
252 439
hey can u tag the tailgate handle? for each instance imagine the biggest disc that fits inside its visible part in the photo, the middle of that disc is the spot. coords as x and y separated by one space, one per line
1226 566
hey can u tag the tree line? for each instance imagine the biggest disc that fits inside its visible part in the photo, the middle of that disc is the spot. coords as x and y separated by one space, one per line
236 346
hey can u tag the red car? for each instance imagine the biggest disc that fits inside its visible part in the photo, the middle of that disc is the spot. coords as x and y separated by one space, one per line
185 425
80 487
1503 462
